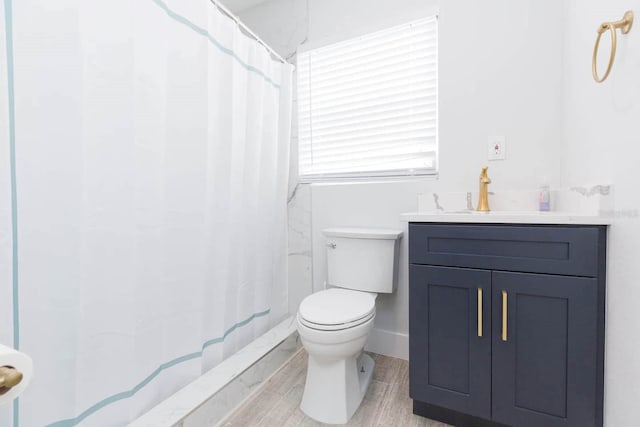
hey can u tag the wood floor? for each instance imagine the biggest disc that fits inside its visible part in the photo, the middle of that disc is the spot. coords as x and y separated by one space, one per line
386 403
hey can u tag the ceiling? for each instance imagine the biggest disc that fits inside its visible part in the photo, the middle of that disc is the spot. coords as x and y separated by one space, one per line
236 6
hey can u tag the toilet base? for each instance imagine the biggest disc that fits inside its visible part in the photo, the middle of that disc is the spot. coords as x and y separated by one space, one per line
334 389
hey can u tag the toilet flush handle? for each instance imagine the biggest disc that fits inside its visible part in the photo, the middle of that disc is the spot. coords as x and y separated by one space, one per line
331 245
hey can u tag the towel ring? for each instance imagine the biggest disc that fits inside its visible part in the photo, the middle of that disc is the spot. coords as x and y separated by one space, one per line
625 25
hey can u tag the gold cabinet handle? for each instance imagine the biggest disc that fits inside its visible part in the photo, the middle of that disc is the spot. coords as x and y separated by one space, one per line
504 315
9 377
480 312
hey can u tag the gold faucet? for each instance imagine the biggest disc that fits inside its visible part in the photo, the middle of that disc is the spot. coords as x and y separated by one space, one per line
483 201
9 377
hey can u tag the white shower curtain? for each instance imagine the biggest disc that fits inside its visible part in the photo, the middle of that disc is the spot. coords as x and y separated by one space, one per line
143 222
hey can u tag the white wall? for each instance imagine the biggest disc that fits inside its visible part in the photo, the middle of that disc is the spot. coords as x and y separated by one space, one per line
500 73
602 137
522 69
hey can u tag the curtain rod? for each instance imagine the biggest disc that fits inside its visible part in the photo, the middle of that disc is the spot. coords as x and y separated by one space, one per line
246 30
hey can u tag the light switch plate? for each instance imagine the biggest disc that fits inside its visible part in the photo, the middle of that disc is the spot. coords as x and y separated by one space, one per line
496 147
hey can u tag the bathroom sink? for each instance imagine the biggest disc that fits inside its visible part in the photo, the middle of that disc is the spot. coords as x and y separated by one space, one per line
516 207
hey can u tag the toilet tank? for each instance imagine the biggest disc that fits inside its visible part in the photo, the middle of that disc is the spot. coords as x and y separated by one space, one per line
363 259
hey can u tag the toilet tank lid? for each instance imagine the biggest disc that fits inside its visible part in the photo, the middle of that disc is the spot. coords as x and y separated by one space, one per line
363 233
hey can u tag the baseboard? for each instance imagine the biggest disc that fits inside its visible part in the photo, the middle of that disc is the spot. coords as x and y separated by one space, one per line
388 343
451 417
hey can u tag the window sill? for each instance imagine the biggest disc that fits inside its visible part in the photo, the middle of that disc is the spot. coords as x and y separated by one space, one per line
367 179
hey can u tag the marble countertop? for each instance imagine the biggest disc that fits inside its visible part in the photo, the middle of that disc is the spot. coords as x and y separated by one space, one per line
571 206
507 217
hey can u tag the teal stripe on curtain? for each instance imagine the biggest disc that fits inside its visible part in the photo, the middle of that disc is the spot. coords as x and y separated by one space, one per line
129 393
8 28
184 21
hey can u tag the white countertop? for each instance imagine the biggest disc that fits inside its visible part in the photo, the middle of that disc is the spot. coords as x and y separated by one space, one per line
507 217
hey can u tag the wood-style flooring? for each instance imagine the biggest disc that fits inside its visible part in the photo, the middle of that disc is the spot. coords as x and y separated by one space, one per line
387 402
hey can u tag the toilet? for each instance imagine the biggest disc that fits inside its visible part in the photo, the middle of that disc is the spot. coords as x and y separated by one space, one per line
334 323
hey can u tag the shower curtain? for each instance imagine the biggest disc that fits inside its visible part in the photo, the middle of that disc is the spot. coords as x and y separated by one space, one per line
143 178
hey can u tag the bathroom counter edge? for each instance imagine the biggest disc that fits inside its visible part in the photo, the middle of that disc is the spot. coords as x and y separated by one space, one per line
508 218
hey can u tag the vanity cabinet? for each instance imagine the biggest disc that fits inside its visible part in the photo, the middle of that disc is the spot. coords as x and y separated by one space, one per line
507 324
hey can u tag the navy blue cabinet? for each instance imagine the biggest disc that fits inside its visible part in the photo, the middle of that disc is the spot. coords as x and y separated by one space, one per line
506 341
452 363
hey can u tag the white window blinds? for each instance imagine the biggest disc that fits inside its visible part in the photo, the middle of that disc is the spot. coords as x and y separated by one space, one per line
368 106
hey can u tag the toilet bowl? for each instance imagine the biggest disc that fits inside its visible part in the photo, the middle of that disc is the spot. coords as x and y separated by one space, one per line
338 373
334 324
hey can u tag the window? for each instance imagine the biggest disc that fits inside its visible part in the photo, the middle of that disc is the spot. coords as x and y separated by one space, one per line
367 107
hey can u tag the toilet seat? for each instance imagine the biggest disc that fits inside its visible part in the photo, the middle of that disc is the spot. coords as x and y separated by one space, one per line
336 309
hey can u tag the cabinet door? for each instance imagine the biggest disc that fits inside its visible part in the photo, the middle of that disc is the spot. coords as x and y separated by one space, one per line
544 367
450 363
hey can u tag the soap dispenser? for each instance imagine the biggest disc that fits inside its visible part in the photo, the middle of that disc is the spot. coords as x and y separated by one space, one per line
544 198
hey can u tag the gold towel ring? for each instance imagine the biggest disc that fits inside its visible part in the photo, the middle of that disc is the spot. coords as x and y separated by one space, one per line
625 25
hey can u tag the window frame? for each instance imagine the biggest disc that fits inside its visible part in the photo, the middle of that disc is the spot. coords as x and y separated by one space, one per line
377 175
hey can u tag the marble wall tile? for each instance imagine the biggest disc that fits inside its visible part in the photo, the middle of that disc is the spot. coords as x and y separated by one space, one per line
584 200
299 210
300 246
444 202
594 199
